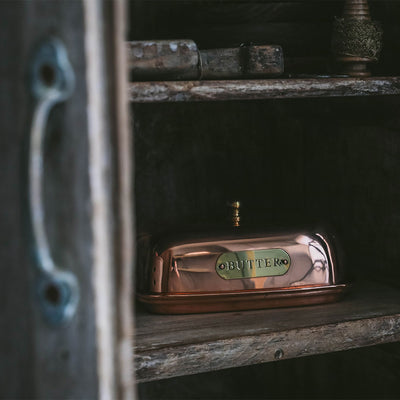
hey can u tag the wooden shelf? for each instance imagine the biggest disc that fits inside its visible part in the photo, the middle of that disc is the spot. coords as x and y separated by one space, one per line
174 345
176 91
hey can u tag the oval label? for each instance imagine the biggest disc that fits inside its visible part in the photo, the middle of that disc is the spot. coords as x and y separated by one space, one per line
252 264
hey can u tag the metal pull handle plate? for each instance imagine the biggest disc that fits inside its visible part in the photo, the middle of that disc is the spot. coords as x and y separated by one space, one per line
52 82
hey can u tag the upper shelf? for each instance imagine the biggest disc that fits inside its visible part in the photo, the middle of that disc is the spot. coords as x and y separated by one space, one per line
176 91
172 345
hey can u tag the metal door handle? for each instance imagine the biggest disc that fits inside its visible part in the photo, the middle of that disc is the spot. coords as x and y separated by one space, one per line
52 82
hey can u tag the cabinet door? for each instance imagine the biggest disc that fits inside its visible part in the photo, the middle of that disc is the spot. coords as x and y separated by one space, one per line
84 193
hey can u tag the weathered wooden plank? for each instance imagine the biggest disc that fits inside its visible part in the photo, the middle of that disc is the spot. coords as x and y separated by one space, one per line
361 303
15 298
124 205
109 139
150 92
339 375
228 353
168 346
40 360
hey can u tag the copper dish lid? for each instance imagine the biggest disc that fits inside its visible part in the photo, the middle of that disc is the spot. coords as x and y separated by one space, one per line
239 271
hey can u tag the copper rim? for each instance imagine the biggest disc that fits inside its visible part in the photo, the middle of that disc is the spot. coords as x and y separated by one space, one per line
241 300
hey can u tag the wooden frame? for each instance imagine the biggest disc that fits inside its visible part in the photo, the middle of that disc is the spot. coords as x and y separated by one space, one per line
87 201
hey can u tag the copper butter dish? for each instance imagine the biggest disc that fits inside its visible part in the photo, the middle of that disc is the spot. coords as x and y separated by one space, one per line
238 271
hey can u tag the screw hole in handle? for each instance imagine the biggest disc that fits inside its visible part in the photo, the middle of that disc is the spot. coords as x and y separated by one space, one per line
51 72
47 74
58 297
52 294
52 83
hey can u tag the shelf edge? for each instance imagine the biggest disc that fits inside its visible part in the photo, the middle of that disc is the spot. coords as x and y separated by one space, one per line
184 91
247 350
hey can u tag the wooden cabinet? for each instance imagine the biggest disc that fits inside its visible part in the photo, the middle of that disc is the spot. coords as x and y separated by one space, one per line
329 148
300 149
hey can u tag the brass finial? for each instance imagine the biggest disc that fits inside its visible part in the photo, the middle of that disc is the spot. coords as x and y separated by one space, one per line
235 213
356 9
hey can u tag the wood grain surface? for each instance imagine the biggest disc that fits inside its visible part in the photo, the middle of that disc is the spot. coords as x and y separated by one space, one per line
40 361
168 346
149 92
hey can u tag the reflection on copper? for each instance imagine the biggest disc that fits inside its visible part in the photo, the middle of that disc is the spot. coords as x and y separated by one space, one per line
195 253
185 272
